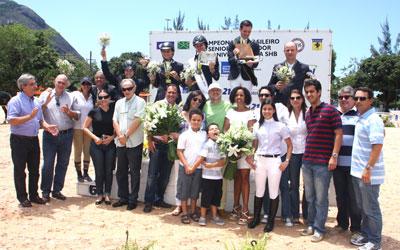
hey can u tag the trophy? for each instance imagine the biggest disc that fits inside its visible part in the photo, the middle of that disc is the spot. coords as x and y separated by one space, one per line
167 69
207 57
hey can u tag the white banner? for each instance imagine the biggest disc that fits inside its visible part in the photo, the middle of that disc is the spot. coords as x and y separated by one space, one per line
314 49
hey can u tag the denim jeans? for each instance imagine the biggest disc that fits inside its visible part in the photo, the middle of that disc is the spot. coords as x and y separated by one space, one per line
316 182
158 174
55 146
346 200
294 177
103 157
129 162
284 188
371 217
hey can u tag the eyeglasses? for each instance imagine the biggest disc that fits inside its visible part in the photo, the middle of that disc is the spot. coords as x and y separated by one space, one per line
61 82
344 97
103 97
360 98
127 89
266 95
197 99
295 98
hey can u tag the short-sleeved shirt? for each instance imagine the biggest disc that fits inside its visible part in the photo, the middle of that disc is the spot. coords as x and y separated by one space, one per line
369 131
321 125
191 142
298 132
240 118
216 112
269 136
124 114
102 121
22 105
211 153
349 120
84 106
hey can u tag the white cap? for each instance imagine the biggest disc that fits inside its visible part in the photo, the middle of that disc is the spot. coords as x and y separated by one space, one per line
214 85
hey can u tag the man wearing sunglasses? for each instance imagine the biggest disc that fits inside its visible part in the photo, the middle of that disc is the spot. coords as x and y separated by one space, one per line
59 108
367 169
129 141
342 180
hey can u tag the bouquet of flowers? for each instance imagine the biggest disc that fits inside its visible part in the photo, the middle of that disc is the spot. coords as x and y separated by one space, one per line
235 143
284 73
163 119
188 72
153 68
104 40
65 67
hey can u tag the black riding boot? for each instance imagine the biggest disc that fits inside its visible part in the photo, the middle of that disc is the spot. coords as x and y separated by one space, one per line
273 208
257 210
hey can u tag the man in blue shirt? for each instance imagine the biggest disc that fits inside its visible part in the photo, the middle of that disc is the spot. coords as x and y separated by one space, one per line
367 169
25 118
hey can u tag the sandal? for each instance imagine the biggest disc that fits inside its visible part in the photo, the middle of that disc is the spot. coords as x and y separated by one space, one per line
185 219
194 217
244 218
177 211
235 213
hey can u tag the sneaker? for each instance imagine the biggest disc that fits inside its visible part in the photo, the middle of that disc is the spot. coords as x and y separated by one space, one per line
317 237
217 221
202 221
264 219
358 240
147 208
308 231
288 222
370 246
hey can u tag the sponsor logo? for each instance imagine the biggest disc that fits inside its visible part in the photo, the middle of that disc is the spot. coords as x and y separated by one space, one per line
225 68
299 43
317 44
183 45
159 44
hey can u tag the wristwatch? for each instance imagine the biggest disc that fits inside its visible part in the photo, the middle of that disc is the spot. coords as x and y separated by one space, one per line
335 155
368 167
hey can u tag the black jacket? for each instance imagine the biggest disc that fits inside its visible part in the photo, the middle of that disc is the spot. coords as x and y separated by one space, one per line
161 84
246 72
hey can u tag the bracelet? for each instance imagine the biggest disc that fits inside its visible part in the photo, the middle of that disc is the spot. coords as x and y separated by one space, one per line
368 167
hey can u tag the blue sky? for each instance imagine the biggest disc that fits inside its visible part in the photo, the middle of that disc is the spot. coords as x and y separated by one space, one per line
355 23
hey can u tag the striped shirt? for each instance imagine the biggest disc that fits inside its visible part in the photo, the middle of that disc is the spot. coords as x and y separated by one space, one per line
212 154
369 130
349 120
321 125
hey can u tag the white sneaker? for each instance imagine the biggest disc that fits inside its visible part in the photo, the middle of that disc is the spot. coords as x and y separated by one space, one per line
358 240
218 221
317 237
264 219
202 221
369 246
288 222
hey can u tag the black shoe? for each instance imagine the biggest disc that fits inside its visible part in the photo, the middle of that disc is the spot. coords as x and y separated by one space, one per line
120 203
87 178
59 196
36 199
79 174
26 203
162 204
131 206
99 201
46 197
107 201
147 208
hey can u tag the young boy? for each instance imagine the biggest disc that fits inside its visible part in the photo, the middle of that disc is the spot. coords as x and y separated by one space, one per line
190 143
211 183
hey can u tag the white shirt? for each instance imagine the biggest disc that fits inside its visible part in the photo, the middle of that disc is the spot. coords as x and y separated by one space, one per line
269 137
298 132
191 142
212 154
240 118
84 106
124 114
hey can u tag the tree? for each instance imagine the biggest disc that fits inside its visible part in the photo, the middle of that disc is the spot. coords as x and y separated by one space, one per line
307 26
269 25
178 21
115 63
236 23
386 42
227 23
201 25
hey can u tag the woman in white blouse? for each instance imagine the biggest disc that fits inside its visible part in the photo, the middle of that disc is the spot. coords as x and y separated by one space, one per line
298 132
269 133
83 100
240 115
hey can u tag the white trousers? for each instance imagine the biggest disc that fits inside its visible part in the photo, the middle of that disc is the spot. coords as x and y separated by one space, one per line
268 168
240 82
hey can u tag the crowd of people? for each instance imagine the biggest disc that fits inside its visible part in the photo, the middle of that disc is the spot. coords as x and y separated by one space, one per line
103 121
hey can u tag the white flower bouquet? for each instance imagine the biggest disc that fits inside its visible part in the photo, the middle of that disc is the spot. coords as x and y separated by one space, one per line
163 119
153 68
65 67
104 40
188 72
284 73
235 143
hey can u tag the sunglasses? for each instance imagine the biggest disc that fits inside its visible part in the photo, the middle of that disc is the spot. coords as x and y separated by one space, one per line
266 95
360 98
295 98
127 89
103 97
57 101
197 99
344 97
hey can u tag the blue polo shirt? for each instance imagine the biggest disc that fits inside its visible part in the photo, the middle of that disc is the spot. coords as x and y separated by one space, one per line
21 105
369 130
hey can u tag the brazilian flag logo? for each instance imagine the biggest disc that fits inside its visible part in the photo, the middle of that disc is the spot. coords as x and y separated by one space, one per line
183 45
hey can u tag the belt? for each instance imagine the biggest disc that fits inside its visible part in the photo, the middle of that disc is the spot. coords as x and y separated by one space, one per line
60 132
24 136
271 156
